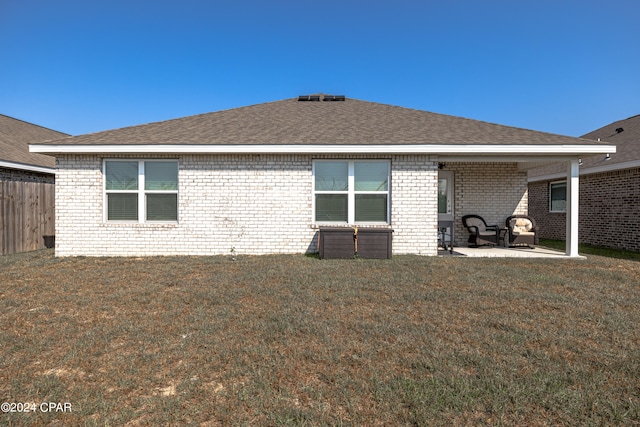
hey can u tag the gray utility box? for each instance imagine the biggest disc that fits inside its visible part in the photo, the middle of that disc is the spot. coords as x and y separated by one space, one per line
343 242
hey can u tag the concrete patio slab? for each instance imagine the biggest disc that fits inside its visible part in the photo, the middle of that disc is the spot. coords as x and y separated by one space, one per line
502 252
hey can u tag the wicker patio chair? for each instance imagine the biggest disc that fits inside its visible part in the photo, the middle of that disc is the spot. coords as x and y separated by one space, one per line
479 232
522 231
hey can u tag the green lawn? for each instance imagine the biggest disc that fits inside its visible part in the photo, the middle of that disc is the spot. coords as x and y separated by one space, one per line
293 340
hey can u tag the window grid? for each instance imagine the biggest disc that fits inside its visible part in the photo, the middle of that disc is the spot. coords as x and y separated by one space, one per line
352 193
141 192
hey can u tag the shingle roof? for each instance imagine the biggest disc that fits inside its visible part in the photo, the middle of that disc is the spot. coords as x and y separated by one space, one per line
291 122
15 136
627 142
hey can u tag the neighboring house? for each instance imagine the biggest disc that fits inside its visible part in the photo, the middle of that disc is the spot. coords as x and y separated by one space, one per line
609 191
26 187
262 179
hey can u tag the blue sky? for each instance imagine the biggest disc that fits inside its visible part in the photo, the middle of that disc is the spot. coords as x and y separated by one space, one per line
81 66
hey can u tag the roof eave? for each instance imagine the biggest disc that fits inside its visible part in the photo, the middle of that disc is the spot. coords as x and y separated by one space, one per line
439 149
587 171
26 167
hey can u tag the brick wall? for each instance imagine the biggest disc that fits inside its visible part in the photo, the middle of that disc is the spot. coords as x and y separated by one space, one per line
551 225
255 204
608 210
414 205
492 190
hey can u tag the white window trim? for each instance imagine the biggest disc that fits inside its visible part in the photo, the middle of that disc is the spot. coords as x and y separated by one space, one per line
550 204
141 192
351 193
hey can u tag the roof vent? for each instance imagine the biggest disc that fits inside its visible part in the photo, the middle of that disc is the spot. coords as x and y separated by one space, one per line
324 98
333 98
309 98
619 130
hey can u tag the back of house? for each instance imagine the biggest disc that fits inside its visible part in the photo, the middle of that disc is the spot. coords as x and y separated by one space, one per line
268 178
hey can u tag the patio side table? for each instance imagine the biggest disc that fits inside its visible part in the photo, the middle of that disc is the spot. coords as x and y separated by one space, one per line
502 236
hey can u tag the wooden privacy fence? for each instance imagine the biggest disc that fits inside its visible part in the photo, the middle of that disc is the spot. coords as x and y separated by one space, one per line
27 214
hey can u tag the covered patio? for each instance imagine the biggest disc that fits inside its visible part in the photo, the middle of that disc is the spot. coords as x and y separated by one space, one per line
493 189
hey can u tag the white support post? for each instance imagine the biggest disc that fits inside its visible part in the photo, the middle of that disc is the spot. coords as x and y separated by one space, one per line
573 179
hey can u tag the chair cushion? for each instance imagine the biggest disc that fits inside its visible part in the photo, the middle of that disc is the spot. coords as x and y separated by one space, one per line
487 233
524 233
476 222
521 225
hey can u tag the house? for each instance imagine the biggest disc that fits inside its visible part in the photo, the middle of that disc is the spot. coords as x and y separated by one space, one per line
264 178
609 191
26 187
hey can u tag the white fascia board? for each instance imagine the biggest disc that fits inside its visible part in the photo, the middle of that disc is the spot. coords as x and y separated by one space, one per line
521 159
587 171
465 149
612 167
25 167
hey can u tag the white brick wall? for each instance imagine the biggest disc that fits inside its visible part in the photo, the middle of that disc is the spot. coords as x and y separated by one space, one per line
262 204
414 205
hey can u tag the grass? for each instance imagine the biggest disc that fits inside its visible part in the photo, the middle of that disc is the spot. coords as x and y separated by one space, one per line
586 249
293 340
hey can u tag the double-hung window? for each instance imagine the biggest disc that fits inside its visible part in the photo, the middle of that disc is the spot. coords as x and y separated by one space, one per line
351 192
558 196
141 190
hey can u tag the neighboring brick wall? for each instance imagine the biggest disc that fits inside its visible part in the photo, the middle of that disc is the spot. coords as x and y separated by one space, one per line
551 225
608 210
255 204
492 190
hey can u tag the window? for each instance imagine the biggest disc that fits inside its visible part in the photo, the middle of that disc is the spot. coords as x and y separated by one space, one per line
351 192
558 196
141 191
